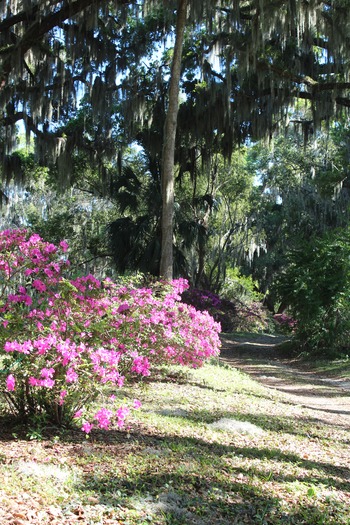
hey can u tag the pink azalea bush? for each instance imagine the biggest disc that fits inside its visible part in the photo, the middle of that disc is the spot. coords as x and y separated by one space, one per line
63 340
285 323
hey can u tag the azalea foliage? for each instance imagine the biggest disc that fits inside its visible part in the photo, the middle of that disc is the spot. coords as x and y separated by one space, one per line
64 340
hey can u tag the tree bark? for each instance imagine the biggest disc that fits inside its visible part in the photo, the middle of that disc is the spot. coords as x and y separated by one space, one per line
166 261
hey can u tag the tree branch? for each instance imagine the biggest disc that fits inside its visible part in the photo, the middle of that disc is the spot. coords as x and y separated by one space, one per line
40 26
10 120
311 83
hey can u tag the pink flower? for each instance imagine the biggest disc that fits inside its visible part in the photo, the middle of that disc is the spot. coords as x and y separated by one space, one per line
137 404
141 366
47 372
27 299
64 246
56 267
34 238
10 383
32 381
78 414
123 307
39 285
48 383
62 396
103 417
50 248
87 427
71 376
14 346
121 414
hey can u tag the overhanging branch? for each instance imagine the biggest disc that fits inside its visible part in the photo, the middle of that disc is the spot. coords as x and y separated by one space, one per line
40 26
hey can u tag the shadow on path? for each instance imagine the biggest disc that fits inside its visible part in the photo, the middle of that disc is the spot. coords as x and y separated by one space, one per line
263 359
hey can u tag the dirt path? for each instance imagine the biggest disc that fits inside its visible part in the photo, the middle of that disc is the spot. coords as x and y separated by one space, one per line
259 356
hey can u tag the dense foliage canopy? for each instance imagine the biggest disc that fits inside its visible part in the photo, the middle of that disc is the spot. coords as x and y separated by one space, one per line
243 66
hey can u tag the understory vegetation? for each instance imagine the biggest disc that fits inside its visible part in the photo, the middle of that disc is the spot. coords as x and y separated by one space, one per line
63 339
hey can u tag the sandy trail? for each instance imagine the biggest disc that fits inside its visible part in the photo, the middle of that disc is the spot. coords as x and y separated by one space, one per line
259 356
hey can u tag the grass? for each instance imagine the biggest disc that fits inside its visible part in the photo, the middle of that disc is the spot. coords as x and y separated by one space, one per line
339 368
173 467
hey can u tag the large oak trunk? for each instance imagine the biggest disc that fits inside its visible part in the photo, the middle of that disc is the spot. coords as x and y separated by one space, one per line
166 262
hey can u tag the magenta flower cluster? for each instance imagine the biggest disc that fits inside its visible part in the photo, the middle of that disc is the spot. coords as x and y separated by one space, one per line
63 339
285 321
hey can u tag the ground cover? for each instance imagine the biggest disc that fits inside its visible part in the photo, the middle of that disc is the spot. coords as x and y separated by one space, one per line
209 446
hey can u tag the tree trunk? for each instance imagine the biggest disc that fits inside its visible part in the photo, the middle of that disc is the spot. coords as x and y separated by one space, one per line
166 261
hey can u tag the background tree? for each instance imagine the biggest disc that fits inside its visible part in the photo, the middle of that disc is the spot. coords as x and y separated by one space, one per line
79 214
300 221
303 193
316 286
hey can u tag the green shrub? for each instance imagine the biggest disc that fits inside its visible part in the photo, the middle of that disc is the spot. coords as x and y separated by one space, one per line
316 286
